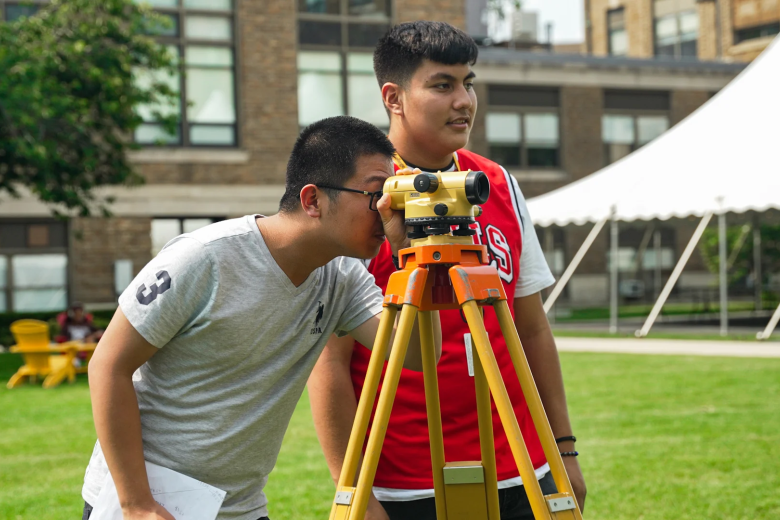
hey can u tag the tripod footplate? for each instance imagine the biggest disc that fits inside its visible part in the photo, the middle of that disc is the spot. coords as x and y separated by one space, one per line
465 494
343 503
563 506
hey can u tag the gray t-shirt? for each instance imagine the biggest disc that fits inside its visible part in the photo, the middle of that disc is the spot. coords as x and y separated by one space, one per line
237 342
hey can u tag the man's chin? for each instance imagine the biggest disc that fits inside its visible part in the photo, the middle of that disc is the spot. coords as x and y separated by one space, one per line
458 140
366 254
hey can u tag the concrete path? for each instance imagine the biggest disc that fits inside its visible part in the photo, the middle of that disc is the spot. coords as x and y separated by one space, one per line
669 346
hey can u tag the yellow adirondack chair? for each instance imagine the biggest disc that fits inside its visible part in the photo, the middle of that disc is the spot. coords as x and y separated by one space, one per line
40 360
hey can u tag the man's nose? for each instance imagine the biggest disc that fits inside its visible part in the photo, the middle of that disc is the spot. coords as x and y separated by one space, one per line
463 99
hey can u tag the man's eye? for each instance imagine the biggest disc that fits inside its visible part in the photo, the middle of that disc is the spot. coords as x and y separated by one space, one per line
469 86
442 86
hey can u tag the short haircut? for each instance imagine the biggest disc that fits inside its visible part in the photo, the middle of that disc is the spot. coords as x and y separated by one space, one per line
401 51
326 152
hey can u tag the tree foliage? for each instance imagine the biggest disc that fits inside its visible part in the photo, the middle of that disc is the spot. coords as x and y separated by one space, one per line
500 7
742 265
68 101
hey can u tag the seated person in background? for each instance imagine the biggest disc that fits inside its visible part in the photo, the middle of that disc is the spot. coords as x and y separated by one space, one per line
75 325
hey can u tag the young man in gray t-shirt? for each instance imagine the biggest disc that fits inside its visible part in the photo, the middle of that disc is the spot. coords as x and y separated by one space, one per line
212 344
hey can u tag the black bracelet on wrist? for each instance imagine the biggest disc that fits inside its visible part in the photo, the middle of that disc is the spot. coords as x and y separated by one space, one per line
395 263
569 453
567 438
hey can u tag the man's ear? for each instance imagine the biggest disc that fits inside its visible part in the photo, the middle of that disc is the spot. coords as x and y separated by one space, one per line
311 201
393 97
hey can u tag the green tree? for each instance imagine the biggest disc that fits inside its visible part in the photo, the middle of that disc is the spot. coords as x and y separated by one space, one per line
69 102
742 263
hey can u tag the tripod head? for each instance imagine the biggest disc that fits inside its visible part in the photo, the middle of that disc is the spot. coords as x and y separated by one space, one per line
433 202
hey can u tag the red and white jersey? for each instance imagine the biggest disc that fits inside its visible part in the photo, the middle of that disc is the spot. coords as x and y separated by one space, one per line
404 471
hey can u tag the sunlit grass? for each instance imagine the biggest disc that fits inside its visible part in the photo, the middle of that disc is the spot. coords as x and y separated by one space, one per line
660 437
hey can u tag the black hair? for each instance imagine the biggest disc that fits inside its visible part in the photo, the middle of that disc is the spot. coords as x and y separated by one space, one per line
403 48
326 152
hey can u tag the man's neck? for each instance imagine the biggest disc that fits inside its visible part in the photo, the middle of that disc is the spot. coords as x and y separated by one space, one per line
294 248
415 152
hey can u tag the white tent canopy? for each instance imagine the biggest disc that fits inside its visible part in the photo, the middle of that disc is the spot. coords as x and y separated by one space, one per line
724 156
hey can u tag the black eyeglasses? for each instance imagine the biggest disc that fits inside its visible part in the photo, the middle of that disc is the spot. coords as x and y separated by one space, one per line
375 195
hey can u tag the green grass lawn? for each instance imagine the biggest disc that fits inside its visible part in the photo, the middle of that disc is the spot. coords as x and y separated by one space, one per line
643 309
661 437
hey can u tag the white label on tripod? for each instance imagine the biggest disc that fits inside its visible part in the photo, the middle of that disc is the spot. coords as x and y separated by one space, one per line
469 353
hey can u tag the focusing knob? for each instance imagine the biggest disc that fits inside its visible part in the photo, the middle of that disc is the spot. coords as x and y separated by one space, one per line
426 183
440 209
479 211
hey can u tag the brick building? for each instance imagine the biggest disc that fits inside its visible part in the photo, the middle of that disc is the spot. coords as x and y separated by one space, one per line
730 30
259 71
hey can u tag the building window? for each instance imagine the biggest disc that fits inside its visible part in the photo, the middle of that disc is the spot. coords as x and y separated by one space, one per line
676 35
622 134
645 257
523 140
752 33
201 34
33 266
335 59
522 126
631 120
12 11
166 229
553 242
618 36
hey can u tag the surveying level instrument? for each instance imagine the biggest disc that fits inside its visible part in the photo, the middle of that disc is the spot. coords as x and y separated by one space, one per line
442 270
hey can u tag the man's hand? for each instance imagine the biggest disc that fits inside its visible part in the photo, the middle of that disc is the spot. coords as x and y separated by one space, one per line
393 222
157 512
577 480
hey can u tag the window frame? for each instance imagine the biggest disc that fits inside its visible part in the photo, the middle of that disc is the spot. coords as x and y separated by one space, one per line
522 111
635 114
678 40
4 4
181 41
344 48
180 221
10 252
610 29
764 30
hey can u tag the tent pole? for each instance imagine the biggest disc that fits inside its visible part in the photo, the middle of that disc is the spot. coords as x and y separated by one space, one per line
657 273
613 276
549 250
722 275
770 326
757 274
567 274
675 275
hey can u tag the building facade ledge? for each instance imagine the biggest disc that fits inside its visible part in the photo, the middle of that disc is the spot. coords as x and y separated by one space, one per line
188 155
526 175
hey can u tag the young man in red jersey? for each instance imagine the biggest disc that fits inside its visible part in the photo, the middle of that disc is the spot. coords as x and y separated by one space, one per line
424 70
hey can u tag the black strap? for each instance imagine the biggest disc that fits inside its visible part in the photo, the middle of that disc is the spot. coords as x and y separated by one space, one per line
567 438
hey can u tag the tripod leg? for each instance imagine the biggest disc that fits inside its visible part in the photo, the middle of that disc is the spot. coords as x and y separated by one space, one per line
505 410
434 411
486 440
533 399
366 403
384 406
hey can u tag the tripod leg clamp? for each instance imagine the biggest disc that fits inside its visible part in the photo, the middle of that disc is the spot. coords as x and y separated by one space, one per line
479 282
406 288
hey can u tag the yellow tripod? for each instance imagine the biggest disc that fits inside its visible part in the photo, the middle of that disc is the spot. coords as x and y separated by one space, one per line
446 272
